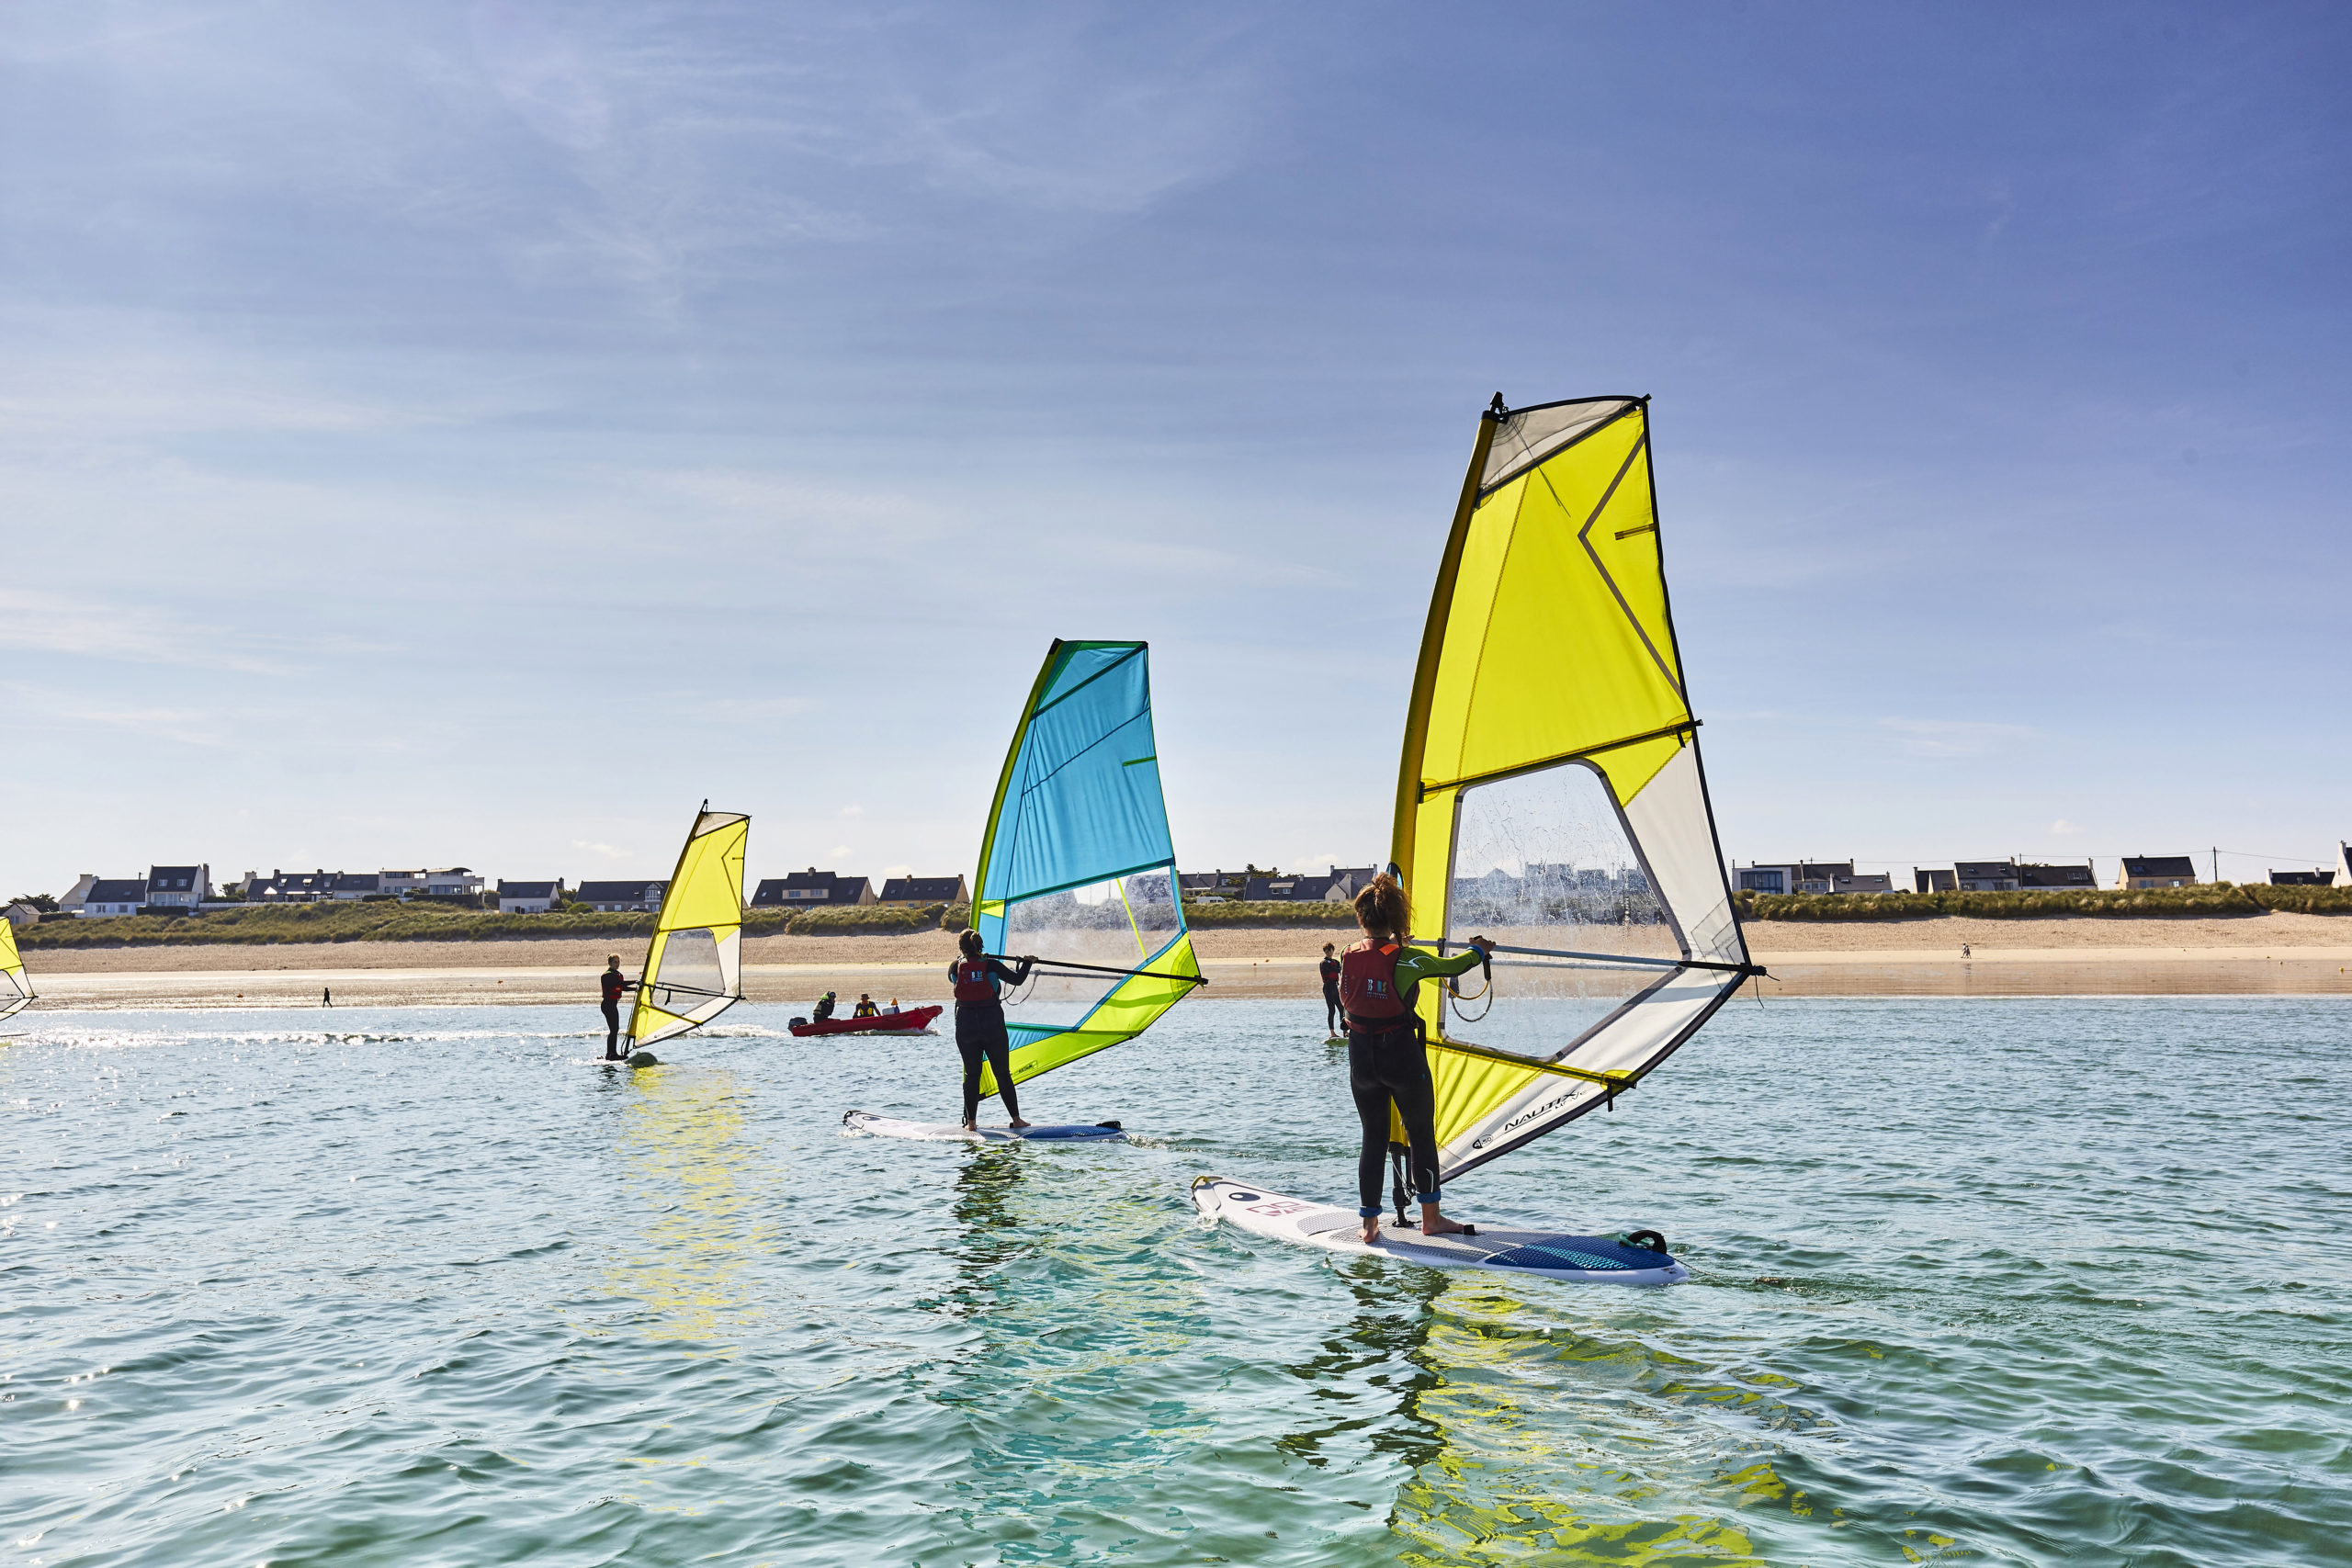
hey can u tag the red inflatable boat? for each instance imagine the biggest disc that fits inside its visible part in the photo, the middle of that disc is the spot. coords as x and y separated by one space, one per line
914 1020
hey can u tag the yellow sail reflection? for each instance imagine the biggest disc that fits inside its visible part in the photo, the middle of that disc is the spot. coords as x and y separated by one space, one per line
704 1198
1534 1455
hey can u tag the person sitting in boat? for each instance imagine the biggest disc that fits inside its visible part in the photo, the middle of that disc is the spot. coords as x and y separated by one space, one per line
980 1034
1379 980
865 1008
824 1006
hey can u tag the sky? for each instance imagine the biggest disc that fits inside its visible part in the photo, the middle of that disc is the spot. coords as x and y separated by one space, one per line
476 434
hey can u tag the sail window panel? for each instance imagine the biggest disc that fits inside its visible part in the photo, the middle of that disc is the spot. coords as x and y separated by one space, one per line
1542 861
1116 924
1526 436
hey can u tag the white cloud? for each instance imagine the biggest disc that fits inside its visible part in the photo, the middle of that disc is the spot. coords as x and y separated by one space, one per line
841 851
2062 829
1956 738
608 850
853 810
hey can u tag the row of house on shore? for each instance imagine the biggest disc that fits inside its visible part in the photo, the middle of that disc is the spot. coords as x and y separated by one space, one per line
2132 872
189 890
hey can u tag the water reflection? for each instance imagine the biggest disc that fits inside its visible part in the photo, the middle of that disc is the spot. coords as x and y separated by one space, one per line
700 1200
1530 1436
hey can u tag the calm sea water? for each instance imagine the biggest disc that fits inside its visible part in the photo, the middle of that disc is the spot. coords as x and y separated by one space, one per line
1977 1281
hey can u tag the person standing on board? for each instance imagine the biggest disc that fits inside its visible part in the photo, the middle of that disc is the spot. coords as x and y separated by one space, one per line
1334 1015
1386 1064
616 985
981 1033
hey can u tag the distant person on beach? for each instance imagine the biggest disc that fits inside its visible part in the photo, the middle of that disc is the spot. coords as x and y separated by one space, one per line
1387 1061
326 997
824 1006
1334 1015
615 985
865 1008
980 1034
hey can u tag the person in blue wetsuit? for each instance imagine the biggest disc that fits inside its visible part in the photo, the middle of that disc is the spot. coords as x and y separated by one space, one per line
980 1034
1388 1064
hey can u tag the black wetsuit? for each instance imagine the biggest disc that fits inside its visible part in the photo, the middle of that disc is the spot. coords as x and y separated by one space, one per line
1335 1017
980 1036
614 983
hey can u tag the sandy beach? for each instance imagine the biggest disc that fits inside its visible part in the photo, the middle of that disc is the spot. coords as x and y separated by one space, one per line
2275 951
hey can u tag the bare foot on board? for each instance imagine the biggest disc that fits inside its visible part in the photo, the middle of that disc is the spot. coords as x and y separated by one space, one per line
1435 1223
1372 1231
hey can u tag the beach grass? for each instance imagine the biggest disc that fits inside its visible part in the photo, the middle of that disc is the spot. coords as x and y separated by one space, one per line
2206 899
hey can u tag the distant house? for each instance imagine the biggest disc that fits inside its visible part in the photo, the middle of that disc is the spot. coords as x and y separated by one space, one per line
917 890
181 886
21 915
528 897
1822 876
1928 879
2302 879
118 896
621 897
2035 878
1347 881
1278 889
291 886
71 904
2157 871
455 882
1863 882
1986 875
345 886
400 884
1213 886
2343 863
811 889
1780 878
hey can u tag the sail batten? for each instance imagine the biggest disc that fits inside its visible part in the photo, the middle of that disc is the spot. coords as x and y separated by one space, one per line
1077 865
693 962
1550 796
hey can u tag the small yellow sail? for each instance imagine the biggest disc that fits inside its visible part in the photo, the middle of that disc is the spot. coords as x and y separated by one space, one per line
693 965
15 990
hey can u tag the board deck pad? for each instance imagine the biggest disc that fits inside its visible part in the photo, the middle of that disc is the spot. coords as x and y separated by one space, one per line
956 1132
1550 1253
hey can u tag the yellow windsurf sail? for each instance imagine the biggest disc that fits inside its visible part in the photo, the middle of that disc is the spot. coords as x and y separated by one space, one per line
1551 797
693 965
14 989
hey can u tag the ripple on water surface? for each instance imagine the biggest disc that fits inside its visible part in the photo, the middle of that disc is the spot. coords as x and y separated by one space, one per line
1985 1281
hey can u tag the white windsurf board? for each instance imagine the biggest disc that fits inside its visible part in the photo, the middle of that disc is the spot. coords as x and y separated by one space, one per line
955 1132
1551 1255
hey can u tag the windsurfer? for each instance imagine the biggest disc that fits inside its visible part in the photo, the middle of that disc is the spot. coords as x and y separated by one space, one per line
614 983
1387 1061
980 1034
1334 1015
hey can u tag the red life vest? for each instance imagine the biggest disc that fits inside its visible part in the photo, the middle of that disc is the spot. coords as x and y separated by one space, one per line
1368 985
972 981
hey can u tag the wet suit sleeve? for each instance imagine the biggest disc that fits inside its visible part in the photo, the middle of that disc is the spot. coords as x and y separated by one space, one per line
1009 976
1414 965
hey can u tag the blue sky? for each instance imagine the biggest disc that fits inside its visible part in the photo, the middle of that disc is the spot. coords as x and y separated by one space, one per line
477 432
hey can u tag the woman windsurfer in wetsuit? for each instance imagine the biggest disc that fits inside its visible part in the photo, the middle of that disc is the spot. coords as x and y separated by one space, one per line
980 1024
1387 1063
1333 1013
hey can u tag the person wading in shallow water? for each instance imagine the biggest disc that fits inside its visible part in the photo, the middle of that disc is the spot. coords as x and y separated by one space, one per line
1334 1015
616 985
1386 1064
981 1033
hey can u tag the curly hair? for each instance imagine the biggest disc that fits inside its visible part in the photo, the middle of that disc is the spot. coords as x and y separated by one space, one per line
1382 912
